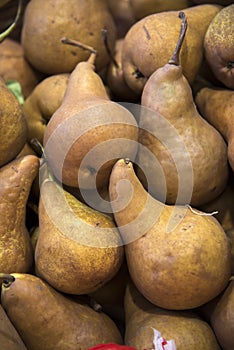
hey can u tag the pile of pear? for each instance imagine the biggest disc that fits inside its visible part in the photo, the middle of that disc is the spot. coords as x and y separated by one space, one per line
116 174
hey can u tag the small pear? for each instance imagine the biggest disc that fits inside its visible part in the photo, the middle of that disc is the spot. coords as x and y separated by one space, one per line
179 329
78 249
222 318
48 320
15 184
219 46
216 106
88 132
13 127
41 104
177 257
9 337
183 143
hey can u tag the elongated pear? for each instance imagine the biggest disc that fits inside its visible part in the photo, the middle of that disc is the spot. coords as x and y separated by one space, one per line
177 257
216 106
78 249
88 132
15 183
183 143
48 320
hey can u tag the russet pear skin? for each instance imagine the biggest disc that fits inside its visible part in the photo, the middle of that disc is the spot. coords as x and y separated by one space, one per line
9 337
16 179
78 249
185 327
216 106
218 46
177 258
150 42
48 320
13 127
88 132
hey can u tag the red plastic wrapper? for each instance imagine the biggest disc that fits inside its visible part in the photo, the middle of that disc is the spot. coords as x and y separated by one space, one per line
111 346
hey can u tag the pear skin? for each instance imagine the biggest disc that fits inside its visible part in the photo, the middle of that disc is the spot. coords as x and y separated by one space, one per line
9 337
42 102
13 127
222 318
178 136
150 41
78 249
218 46
15 247
81 20
177 257
88 132
216 106
185 328
48 320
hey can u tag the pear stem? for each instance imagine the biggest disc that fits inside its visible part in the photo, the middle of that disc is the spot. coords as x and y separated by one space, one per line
7 32
107 47
175 57
76 43
37 147
6 279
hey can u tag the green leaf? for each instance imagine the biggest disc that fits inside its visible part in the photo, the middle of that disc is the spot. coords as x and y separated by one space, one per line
15 87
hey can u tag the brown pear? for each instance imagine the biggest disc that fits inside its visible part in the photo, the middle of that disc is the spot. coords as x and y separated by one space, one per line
78 249
184 328
177 257
9 337
219 46
15 247
220 2
49 21
143 8
122 13
150 41
41 104
48 320
177 140
115 77
216 106
13 127
88 132
14 66
222 318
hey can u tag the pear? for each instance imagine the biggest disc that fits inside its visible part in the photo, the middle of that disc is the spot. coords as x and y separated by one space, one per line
14 66
218 46
220 2
78 249
13 127
48 320
15 247
184 328
216 106
143 8
88 132
115 77
222 318
177 257
122 13
43 101
50 21
150 41
9 337
184 144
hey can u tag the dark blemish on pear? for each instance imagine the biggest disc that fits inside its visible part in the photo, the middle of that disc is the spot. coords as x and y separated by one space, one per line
230 65
146 32
138 74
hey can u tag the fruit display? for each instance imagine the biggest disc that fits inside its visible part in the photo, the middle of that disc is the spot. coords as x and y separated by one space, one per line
116 175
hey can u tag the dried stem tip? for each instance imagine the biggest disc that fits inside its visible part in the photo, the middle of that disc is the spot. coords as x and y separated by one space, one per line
6 279
175 57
